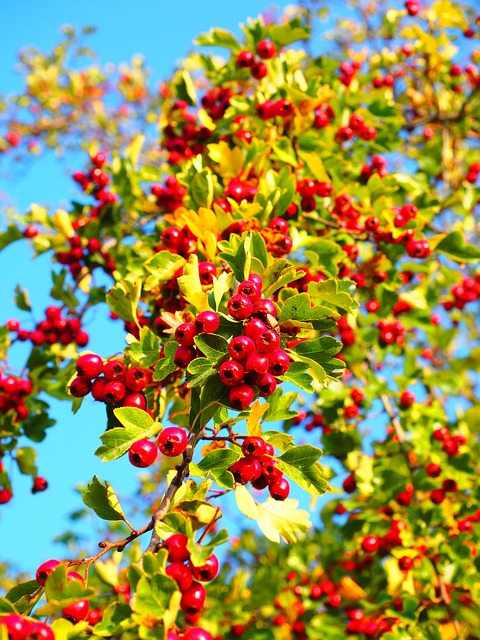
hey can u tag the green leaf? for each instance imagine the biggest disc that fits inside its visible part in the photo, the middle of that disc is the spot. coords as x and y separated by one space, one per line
123 300
26 458
212 345
61 291
280 403
318 354
454 246
103 500
21 299
162 267
137 424
285 34
302 456
165 366
12 234
200 554
144 352
200 369
152 595
315 164
334 292
279 274
185 87
298 374
218 38
21 590
282 520
213 395
218 460
201 189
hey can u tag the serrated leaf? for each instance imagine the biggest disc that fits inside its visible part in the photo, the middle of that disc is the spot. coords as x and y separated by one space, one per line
282 520
201 189
245 502
200 554
145 351
218 38
12 234
302 456
218 460
334 292
280 403
297 374
279 274
190 285
21 590
21 299
153 594
26 458
212 345
123 300
165 366
200 370
137 425
103 500
162 267
256 411
454 246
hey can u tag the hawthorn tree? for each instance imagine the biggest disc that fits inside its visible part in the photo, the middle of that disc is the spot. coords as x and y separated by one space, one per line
290 241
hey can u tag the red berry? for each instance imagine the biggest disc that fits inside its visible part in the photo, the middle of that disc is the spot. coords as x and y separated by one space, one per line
172 441
142 453
241 347
176 546
370 544
183 356
80 387
137 378
246 470
241 396
245 59
181 574
254 447
266 49
231 373
114 392
114 370
77 611
185 334
405 563
240 307
39 484
258 70
193 599
207 322
280 489
90 365
44 570
208 571
433 470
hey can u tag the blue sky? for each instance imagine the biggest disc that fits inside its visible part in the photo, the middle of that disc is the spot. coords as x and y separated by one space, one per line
163 32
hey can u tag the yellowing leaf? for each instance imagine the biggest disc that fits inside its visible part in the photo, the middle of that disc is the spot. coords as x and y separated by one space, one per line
282 520
253 420
191 287
62 223
448 631
204 225
350 590
230 161
245 502
397 580
315 165
448 14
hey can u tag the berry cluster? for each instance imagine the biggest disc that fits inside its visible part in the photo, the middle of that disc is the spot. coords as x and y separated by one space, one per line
276 237
13 392
75 612
348 71
54 328
378 165
473 172
266 50
183 138
323 115
216 101
85 253
468 290
260 469
96 182
22 628
356 126
270 109
172 442
181 242
451 443
170 196
308 188
110 382
391 332
189 578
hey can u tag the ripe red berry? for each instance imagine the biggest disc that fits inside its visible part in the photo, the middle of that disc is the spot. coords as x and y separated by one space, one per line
433 470
77 611
142 453
254 447
370 544
266 49
44 570
241 347
196 633
437 496
5 495
183 356
231 373
114 392
193 599
246 470
240 307
114 370
207 571
137 378
176 546
245 59
405 563
207 322
185 334
181 574
258 70
172 441
135 399
90 365
39 484
80 387
407 399
17 627
279 489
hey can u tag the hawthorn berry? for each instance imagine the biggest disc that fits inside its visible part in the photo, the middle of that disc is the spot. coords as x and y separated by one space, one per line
77 611
266 49
142 453
176 546
370 544
44 570
181 574
207 571
172 441
89 366
193 599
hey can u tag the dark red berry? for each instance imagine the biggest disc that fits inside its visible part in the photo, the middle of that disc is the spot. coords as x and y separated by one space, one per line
172 441
90 365
142 453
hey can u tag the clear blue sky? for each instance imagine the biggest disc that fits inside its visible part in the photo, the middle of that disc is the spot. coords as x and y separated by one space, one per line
163 32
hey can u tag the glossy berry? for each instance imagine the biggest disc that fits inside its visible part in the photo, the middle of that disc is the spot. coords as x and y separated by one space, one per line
231 373
207 322
241 347
172 441
268 341
197 633
176 546
89 366
17 627
193 599
258 70
246 470
142 453
266 49
405 563
39 631
208 571
80 387
77 611
44 570
370 544
280 489
407 398
39 484
183 356
254 447
252 290
5 495
114 392
240 307
245 59
137 378
181 574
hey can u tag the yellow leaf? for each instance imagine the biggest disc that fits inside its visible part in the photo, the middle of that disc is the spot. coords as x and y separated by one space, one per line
62 223
315 165
38 213
253 420
229 161
245 502
282 520
84 283
447 14
191 286
449 632
350 590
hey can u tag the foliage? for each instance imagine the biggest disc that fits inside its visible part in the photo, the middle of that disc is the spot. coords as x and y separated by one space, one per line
293 255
